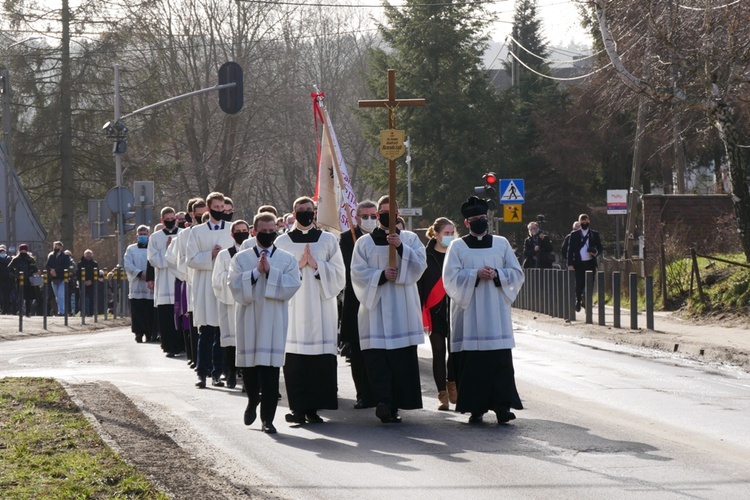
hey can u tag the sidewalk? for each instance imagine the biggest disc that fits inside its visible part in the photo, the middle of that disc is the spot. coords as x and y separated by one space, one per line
34 326
713 340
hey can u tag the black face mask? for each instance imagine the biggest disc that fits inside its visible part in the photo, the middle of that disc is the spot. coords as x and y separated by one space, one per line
585 225
265 239
228 217
181 224
385 219
478 226
304 219
169 224
240 237
216 215
188 218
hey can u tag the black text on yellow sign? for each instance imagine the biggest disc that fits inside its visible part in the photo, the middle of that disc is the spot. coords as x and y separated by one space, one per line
392 143
512 213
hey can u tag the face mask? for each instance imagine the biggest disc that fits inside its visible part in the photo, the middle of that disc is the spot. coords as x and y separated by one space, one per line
478 226
228 217
368 225
265 239
3 255
240 237
169 224
304 219
142 239
57 250
446 240
585 225
181 224
216 215
188 218
385 220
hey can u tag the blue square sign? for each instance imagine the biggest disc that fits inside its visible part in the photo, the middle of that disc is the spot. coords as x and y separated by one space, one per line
511 191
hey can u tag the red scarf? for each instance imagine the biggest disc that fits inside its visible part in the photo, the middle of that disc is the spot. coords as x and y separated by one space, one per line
436 295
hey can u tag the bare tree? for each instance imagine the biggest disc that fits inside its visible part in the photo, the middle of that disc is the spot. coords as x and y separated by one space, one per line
701 61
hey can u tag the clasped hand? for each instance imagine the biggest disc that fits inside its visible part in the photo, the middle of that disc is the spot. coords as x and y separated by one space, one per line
486 273
307 259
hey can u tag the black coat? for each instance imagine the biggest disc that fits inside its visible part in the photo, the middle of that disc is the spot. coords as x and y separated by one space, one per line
350 308
576 242
59 262
25 263
546 257
89 266
430 277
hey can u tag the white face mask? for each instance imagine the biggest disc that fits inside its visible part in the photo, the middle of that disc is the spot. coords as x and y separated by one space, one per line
446 240
368 225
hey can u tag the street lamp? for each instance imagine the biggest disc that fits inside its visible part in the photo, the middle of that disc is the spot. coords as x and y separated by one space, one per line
10 205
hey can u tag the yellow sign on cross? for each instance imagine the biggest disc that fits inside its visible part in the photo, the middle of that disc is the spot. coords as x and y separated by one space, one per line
512 213
392 143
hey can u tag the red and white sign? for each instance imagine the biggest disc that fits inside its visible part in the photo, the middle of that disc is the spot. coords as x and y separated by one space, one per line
617 201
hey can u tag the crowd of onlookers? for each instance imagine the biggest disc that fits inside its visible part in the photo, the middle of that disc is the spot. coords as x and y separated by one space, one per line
28 298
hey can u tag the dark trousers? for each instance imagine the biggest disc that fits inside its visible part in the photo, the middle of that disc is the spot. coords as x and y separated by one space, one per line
89 291
442 370
230 354
209 352
581 268
194 340
6 293
171 341
262 386
359 374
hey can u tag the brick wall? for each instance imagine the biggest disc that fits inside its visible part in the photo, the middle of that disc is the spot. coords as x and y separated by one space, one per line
705 222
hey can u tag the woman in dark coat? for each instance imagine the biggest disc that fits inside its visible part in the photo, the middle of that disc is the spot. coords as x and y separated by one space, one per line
435 309
24 262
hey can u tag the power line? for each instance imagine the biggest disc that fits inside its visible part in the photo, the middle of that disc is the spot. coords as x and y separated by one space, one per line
371 6
551 60
557 78
704 9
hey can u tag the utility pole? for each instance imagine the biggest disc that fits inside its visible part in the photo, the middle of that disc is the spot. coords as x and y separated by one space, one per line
407 143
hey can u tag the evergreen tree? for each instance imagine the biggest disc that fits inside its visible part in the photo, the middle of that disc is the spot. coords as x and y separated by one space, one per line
436 51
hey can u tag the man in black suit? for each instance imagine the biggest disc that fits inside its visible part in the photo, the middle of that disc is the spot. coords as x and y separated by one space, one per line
583 249
366 221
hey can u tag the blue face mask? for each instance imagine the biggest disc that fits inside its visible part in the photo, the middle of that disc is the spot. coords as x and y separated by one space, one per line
3 255
446 240
142 239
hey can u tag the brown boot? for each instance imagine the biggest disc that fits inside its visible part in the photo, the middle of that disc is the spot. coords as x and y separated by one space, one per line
452 392
443 398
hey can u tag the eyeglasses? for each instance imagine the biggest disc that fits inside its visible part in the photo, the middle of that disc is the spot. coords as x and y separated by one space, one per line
478 217
370 217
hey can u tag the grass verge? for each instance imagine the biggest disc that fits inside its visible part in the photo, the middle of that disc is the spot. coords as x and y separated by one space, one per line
49 449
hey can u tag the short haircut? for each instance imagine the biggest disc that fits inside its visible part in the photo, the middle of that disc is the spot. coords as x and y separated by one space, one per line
205 216
267 208
237 222
178 214
191 204
58 243
582 217
228 200
383 200
365 204
142 227
166 211
301 201
88 250
214 196
199 203
263 217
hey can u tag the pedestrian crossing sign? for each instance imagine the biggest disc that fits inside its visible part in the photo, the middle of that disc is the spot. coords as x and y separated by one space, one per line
512 213
511 191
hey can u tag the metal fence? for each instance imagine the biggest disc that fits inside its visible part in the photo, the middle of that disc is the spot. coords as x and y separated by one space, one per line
553 292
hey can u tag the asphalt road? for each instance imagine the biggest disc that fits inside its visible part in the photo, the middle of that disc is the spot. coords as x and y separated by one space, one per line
601 421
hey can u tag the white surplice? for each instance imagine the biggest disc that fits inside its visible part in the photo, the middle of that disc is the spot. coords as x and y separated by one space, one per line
135 262
220 284
164 275
200 260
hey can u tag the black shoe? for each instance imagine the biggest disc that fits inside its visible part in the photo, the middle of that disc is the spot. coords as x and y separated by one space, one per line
231 382
139 339
216 382
268 428
475 418
201 383
171 355
359 405
192 365
312 417
383 412
504 415
395 417
250 414
578 306
295 418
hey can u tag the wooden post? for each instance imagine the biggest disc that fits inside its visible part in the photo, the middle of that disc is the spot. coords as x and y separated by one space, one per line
390 104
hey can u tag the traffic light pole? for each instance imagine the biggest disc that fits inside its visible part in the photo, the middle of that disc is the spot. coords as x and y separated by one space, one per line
118 176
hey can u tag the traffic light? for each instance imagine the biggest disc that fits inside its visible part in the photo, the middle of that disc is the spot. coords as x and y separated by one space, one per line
489 191
231 98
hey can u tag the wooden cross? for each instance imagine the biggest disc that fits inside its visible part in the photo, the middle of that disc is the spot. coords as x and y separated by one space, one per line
391 103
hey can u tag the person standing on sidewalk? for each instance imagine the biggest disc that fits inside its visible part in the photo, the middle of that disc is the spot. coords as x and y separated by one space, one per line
262 279
7 283
24 262
57 263
86 267
482 276
435 310
584 247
